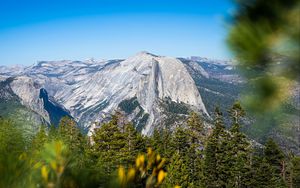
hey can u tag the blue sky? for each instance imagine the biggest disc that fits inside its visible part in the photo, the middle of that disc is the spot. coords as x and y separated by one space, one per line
33 30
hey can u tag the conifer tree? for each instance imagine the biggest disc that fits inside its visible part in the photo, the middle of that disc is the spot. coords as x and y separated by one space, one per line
239 150
215 170
196 126
274 156
39 139
180 141
134 144
194 166
210 163
156 141
71 134
166 138
295 172
106 146
263 174
178 173
236 112
188 155
196 139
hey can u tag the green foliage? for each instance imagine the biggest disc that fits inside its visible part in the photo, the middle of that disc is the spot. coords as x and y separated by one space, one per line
265 37
178 173
239 150
156 141
63 156
21 116
215 167
295 172
71 134
262 175
107 142
115 143
12 147
180 140
129 105
40 139
273 155
186 143
147 172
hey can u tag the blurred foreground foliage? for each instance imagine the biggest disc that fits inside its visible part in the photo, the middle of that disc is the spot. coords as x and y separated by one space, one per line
116 155
265 38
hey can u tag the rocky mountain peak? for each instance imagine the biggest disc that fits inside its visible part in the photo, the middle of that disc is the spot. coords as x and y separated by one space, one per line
90 91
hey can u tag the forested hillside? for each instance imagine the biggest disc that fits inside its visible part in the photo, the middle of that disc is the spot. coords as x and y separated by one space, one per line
116 155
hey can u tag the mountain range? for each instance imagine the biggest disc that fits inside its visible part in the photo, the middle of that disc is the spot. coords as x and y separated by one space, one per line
150 90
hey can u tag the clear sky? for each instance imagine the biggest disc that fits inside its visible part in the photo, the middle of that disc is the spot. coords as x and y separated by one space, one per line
34 30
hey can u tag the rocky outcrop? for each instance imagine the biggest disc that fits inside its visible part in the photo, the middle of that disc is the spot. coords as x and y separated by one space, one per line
90 90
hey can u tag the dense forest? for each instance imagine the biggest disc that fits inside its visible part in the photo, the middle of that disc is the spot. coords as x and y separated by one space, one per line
116 155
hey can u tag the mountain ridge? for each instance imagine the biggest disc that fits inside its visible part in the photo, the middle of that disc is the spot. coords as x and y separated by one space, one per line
147 88
92 90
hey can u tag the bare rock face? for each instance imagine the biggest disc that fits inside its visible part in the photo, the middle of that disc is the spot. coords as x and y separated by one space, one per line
90 90
28 91
145 76
159 78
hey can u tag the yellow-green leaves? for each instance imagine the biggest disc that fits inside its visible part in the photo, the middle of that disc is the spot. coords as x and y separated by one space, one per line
140 160
126 178
53 161
44 172
121 175
161 176
147 167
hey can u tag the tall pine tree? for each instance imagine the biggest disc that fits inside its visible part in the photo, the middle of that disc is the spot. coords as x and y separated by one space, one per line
239 150
215 169
196 139
275 158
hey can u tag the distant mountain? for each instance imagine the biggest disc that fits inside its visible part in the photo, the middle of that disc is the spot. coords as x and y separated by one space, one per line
150 90
143 86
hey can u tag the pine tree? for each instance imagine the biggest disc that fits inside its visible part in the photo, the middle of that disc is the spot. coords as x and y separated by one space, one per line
108 143
196 141
239 150
215 168
295 172
263 174
166 138
71 134
196 126
275 158
189 156
134 144
180 141
210 163
194 165
156 141
274 155
178 173
39 139
236 112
